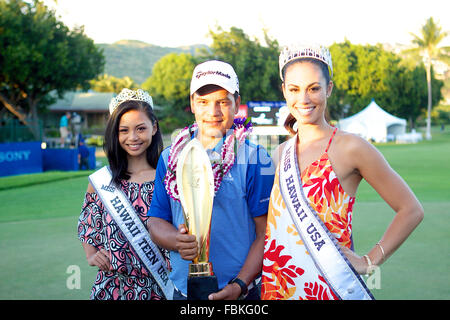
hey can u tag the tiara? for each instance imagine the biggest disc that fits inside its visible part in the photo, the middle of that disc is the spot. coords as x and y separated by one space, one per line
127 94
299 51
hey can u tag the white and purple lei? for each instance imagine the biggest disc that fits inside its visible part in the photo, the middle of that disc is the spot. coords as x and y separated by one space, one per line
242 128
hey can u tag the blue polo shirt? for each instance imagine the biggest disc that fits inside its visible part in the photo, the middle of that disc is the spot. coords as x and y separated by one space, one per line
243 194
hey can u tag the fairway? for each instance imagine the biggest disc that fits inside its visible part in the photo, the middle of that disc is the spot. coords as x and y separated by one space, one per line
41 260
419 269
38 231
37 251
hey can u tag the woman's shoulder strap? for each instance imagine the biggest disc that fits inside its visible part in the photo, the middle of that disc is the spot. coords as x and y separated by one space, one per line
331 139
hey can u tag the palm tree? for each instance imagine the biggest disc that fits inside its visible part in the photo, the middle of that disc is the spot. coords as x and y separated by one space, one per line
107 83
427 46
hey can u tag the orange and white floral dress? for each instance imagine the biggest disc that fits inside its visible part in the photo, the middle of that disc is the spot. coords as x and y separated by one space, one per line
288 270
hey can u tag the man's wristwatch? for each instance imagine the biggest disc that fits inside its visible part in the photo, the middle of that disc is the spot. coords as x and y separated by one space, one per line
243 286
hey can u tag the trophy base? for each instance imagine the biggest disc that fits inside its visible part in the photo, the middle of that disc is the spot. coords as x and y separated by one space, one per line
201 281
199 288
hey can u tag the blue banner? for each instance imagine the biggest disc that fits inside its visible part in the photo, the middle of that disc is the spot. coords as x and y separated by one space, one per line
65 159
28 157
61 159
20 158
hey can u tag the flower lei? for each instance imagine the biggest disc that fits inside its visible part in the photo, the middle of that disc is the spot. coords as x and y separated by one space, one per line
242 128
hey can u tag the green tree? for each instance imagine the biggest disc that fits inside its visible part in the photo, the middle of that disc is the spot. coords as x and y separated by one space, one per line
441 114
40 55
107 83
169 84
361 73
365 72
255 64
427 44
411 92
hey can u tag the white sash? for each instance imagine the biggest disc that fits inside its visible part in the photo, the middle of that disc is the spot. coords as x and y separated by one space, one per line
320 243
123 213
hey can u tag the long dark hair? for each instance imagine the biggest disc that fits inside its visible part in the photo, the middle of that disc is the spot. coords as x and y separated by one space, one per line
117 157
290 119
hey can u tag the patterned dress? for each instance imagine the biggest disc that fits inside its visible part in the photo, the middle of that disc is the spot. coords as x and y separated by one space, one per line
288 270
127 278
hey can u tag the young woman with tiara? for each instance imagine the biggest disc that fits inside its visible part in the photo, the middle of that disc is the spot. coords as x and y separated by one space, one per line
308 249
112 224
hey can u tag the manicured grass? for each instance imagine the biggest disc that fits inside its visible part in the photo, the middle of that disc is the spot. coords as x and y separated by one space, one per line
26 180
419 269
61 198
36 255
38 241
425 166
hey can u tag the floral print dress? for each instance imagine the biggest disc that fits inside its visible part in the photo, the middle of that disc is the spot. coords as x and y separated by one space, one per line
127 278
288 270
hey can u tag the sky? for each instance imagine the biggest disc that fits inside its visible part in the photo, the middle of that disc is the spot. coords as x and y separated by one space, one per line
174 23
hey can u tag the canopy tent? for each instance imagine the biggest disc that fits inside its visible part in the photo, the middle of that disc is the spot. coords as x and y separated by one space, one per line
373 123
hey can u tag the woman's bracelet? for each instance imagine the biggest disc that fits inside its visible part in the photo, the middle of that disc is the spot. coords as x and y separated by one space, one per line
382 251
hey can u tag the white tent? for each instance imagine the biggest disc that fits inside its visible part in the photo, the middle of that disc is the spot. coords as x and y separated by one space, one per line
373 123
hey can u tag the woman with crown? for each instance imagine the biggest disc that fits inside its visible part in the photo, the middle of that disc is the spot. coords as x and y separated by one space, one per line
133 144
309 247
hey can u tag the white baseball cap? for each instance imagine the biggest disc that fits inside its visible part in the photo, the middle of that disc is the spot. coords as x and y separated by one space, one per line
215 72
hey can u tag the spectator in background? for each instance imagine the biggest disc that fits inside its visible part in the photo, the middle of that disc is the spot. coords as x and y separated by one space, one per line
76 121
64 128
83 155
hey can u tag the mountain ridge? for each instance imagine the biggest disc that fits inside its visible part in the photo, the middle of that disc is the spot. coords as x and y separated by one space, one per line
135 58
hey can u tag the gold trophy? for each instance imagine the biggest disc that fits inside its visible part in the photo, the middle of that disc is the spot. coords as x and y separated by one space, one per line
195 182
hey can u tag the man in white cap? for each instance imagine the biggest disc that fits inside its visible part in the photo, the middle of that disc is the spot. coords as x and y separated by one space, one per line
243 182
